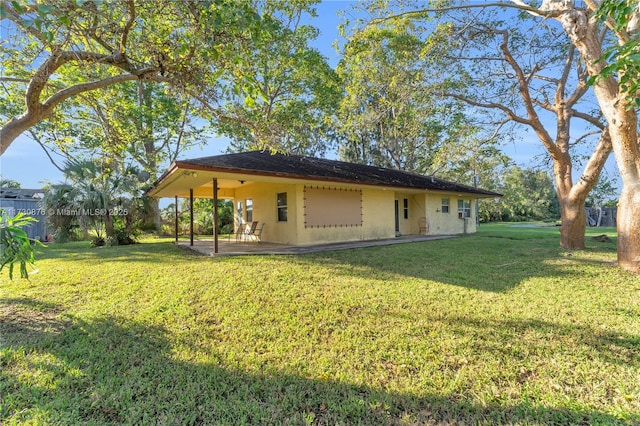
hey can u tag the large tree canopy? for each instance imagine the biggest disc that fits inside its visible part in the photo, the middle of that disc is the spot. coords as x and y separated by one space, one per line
389 116
585 38
53 52
282 98
393 113
246 63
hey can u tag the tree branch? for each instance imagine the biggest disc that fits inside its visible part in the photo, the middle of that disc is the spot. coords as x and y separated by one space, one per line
562 82
34 113
85 87
545 105
517 4
594 166
588 118
581 88
585 136
14 79
46 151
125 33
523 87
490 105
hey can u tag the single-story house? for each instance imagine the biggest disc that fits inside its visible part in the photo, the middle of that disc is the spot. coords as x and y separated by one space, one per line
305 200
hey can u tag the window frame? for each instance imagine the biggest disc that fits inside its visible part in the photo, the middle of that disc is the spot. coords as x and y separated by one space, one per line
464 208
445 205
248 203
406 208
282 212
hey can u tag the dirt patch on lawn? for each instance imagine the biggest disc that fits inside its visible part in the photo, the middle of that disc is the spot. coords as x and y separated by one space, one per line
25 322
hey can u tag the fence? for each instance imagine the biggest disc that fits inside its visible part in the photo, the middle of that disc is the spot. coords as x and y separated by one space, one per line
605 216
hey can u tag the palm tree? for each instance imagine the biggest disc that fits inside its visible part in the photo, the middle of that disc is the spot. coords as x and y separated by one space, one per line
9 183
94 195
59 199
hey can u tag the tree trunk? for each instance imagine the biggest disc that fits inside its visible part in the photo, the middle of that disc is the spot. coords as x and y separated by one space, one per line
108 226
599 221
571 198
574 222
155 214
628 222
627 153
582 30
15 127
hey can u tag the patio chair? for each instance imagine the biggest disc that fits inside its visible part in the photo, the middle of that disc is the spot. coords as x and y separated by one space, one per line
257 233
242 232
423 226
237 233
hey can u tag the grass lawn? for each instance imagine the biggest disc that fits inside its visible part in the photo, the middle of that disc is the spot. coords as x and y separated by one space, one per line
498 327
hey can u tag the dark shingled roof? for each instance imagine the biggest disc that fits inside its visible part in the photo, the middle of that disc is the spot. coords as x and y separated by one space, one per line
295 166
21 193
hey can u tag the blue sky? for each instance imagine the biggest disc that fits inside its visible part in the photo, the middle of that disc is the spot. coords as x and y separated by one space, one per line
25 162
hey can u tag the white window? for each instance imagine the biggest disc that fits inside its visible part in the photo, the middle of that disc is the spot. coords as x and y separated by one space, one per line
249 204
282 206
464 208
445 205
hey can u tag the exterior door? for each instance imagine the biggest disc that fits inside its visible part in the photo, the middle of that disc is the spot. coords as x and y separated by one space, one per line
397 208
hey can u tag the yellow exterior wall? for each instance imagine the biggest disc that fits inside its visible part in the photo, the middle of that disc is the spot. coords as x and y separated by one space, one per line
265 210
448 223
378 215
410 226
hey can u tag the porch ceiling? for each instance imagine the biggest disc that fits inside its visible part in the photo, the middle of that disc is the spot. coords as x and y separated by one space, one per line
181 180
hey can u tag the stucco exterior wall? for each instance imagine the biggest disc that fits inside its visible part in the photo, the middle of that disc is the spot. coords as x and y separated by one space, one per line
264 197
448 223
378 215
410 225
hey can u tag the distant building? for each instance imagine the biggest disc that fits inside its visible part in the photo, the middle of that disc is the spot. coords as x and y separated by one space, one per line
27 201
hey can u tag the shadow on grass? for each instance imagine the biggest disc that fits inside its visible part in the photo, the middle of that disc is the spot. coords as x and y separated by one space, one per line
490 336
111 371
25 321
496 260
151 252
468 262
489 262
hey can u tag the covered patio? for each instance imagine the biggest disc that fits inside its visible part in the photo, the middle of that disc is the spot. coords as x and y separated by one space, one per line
305 204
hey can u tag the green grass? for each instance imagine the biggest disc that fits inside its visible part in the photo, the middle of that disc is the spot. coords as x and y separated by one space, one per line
498 327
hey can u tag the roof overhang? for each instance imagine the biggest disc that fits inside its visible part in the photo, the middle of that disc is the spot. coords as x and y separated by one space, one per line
182 177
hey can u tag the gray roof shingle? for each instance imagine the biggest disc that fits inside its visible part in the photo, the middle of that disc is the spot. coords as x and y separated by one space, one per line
295 166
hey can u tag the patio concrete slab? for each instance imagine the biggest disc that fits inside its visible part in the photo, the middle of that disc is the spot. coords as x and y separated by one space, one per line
241 248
